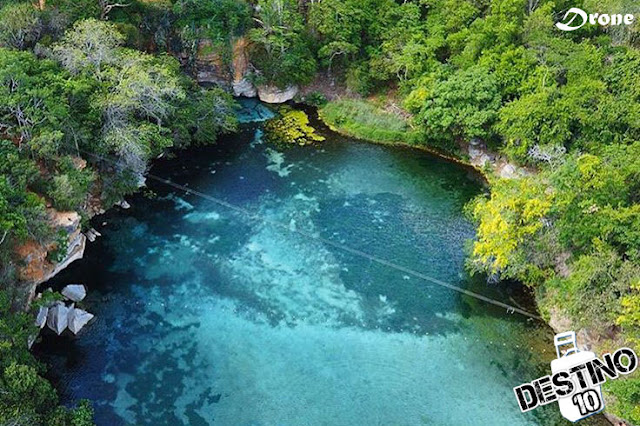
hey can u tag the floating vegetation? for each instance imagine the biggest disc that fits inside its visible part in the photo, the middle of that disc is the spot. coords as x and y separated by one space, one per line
291 128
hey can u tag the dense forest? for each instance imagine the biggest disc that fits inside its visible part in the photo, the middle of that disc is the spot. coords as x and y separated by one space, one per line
92 90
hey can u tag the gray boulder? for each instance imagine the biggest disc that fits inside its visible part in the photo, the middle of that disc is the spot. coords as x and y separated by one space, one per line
57 318
77 319
74 292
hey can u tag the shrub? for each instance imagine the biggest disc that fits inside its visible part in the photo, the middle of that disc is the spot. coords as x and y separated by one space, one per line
291 128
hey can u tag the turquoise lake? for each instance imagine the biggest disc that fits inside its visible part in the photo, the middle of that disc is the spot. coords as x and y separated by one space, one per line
207 316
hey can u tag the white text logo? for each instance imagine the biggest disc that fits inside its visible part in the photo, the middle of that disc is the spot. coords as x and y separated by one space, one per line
576 18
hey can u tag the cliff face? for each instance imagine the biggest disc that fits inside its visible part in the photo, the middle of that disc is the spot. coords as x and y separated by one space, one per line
210 67
36 266
241 67
233 75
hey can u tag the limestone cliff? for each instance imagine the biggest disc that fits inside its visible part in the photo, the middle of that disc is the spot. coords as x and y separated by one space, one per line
210 67
234 75
241 66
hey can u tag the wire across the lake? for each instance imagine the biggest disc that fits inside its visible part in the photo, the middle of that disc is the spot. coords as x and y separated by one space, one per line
343 247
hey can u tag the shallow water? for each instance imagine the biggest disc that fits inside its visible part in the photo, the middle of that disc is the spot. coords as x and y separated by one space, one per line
206 316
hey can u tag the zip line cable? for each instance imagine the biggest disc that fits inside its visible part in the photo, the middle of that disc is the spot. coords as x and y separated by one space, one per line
331 243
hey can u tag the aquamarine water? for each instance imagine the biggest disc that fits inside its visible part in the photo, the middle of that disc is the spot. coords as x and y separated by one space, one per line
206 316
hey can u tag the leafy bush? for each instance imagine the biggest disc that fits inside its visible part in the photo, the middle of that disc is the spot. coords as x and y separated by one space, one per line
316 99
291 128
70 187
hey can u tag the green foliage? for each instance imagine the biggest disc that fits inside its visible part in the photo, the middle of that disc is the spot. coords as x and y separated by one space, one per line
281 51
464 105
316 99
88 47
69 188
205 115
291 128
365 121
591 294
216 20
20 25
34 109
507 221
61 246
627 398
21 212
573 230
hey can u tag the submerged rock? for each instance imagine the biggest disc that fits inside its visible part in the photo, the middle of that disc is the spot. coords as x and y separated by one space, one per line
77 319
41 317
57 318
75 292
275 95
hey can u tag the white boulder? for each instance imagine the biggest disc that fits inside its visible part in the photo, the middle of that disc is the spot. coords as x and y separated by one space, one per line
92 234
275 95
57 318
41 318
74 292
77 319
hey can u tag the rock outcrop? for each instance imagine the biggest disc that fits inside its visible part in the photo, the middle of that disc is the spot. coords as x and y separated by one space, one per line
240 63
210 67
37 267
123 204
244 88
275 95
481 157
92 234
60 315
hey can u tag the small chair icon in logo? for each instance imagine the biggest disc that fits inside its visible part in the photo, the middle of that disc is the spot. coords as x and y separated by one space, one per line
587 400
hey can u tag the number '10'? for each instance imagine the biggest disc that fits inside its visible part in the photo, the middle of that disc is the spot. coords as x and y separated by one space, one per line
587 401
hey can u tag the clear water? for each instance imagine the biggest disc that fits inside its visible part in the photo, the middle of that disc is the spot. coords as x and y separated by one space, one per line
205 316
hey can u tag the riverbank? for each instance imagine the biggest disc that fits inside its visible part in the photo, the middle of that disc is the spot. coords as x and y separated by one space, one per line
366 121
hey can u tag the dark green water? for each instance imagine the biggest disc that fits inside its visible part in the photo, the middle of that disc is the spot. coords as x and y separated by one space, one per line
205 316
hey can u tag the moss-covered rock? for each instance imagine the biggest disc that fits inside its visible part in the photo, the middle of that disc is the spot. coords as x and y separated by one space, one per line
291 128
